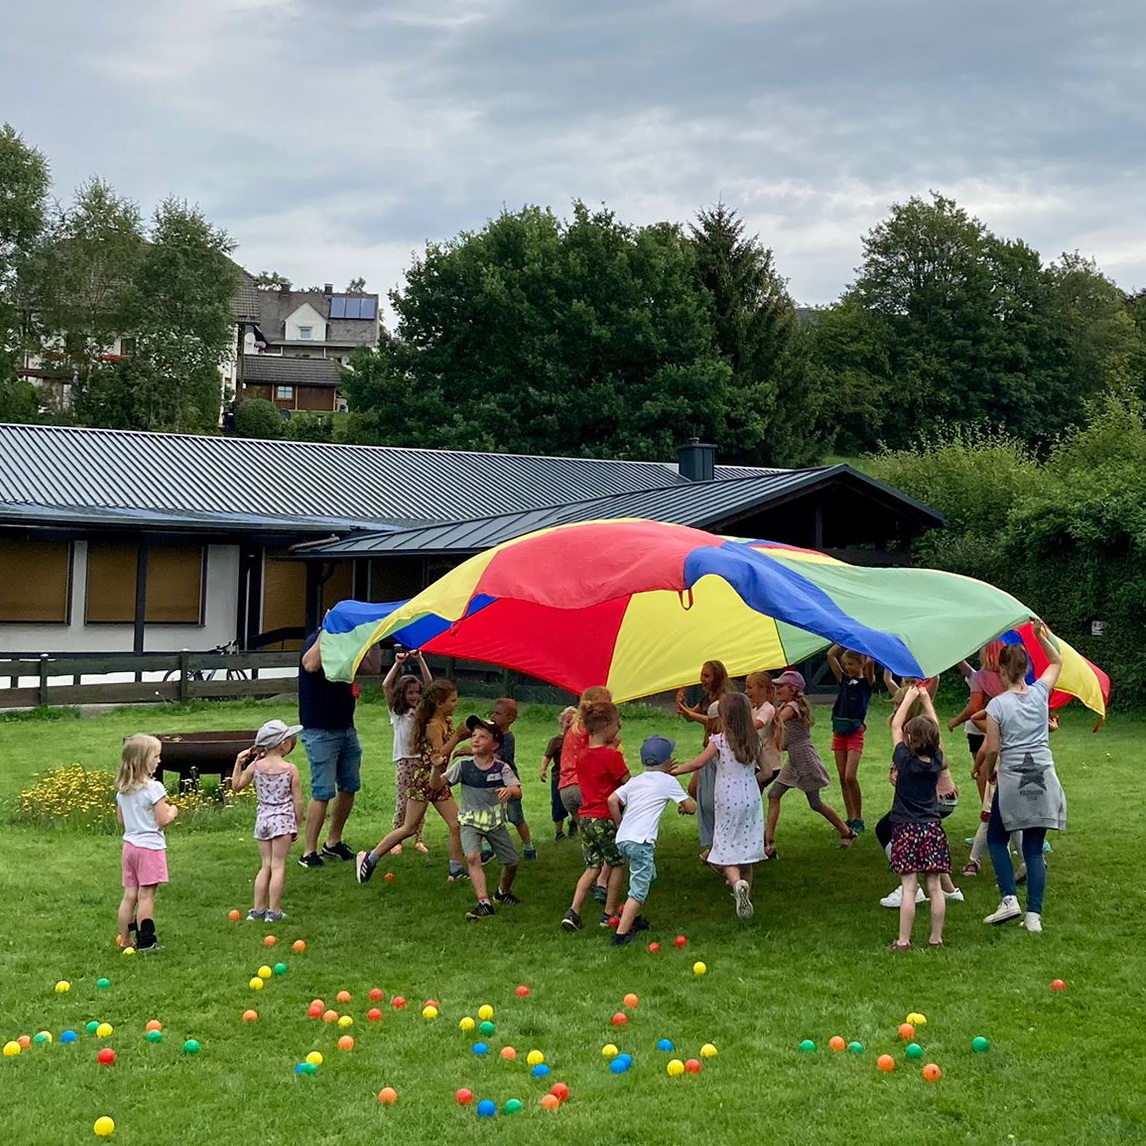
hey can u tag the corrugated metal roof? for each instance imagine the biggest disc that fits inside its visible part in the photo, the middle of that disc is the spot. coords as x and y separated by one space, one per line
290 371
698 504
373 486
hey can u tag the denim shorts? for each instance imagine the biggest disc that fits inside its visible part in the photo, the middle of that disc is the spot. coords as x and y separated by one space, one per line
335 759
642 867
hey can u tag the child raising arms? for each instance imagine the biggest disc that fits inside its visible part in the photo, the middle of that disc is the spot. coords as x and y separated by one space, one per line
141 808
280 810
403 694
855 678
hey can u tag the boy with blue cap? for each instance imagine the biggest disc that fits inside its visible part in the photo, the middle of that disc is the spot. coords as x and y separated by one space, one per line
637 807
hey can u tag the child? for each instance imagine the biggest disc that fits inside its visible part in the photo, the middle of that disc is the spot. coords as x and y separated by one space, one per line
280 810
402 696
643 800
804 769
918 843
503 715
715 682
142 810
738 832
552 759
761 693
601 770
487 785
855 678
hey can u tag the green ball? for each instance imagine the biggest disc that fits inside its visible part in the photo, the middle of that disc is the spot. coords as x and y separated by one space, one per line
103 983
154 1036
512 1105
280 968
807 1046
92 1027
486 1028
914 1050
309 1067
980 1045
855 1048
40 1039
191 1046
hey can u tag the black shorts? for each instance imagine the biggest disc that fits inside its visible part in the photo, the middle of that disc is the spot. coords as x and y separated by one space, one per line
975 742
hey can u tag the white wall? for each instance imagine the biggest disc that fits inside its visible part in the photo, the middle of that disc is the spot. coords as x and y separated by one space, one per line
306 315
220 615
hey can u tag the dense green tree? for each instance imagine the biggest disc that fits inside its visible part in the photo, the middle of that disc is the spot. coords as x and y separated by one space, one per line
258 418
271 280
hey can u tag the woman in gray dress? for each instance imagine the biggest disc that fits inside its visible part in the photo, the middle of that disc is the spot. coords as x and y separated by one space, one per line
1028 796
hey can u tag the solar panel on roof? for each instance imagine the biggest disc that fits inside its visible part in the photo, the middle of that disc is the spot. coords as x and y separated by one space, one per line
338 307
353 306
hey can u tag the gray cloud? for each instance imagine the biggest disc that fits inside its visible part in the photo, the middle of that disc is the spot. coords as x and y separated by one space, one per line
334 140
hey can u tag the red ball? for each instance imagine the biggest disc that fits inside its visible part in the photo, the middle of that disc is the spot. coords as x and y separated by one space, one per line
1058 985
654 947
614 922
680 941
377 995
463 1097
559 1091
389 877
620 1019
432 1003
314 1011
692 1066
398 1003
106 1056
522 992
373 1015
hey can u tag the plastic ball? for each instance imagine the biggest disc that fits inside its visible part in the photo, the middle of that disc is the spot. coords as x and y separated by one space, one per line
191 1046
699 968
104 1030
932 1073
918 1019
512 1105
665 1045
314 1011
535 1058
550 1102
429 1012
377 994
92 1027
480 1048
836 1043
280 968
885 1062
250 1016
708 1051
609 1051
153 1025
270 940
42 1038
631 1000
485 1011
980 1045
103 1127
299 946
387 1096
106 1056
315 1057
522 992
234 915
619 1065
692 1066
345 1021
256 984
680 941
319 1004
62 987
343 996
620 1019
487 1028
155 1036
914 1050
398 1003
627 1059
464 1096
487 1108
25 1041
432 1003
855 1048
264 972
560 1091
541 1070
389 877
466 1024
1058 985
807 1046
508 1053
373 1015
306 1068
654 947
346 1043
128 952
675 1068
906 1032
103 983
11 1049
330 1016
68 1036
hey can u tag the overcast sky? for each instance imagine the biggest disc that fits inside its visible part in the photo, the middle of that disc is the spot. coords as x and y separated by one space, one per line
333 138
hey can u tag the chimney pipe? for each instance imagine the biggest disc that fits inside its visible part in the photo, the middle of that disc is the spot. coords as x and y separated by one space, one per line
696 460
328 288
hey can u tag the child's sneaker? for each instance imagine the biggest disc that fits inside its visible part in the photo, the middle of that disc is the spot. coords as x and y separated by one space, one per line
146 940
558 835
599 894
744 908
571 921
1032 921
641 924
895 898
506 897
310 859
624 940
275 916
482 911
363 867
1007 910
573 828
955 896
610 921
486 856
530 852
254 916
337 851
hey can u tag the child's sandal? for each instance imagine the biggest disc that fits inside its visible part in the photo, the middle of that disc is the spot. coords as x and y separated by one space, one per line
935 943
769 850
900 945
849 839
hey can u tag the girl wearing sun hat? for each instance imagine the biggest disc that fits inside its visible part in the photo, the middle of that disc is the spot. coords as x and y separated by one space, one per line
804 769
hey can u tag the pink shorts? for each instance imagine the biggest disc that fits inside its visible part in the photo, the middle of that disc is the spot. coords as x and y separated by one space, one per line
143 867
851 742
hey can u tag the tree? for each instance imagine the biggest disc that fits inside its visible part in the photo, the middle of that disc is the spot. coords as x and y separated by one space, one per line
356 286
271 280
258 418
310 428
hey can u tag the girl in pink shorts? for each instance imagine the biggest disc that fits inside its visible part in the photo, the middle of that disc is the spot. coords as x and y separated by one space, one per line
142 809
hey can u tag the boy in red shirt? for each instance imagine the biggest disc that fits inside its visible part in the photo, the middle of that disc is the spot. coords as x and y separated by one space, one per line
601 770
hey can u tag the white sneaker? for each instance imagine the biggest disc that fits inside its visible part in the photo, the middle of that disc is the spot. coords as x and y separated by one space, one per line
1007 910
1032 921
896 897
955 896
744 909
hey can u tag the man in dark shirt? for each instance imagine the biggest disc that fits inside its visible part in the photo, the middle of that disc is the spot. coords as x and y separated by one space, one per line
326 713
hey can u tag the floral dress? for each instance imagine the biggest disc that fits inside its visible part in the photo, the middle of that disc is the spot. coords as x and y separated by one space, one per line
738 834
275 816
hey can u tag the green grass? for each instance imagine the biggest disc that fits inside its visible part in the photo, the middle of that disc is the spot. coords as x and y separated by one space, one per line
1063 1067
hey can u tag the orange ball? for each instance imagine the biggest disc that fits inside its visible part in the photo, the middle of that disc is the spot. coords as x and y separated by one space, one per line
631 1000
906 1032
250 1016
153 1025
330 1016
836 1043
269 940
318 1003
508 1053
932 1073
232 915
25 1041
885 1062
346 1043
343 996
387 1096
550 1102
298 945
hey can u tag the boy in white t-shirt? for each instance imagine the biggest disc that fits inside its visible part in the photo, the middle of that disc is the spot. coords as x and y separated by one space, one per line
637 807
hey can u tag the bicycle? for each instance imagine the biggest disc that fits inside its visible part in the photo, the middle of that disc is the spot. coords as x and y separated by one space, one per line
229 649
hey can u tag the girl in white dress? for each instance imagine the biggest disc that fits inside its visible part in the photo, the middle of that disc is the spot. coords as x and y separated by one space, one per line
738 832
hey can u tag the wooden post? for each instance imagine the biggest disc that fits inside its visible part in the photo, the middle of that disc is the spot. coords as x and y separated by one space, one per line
140 600
43 700
184 676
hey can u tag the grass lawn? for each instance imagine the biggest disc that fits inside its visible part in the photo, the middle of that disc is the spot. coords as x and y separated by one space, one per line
1063 1067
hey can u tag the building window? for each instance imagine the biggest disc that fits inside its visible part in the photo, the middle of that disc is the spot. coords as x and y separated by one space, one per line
284 393
35 581
306 332
174 585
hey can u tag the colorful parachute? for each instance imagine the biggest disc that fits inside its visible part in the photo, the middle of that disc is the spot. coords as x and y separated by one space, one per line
639 605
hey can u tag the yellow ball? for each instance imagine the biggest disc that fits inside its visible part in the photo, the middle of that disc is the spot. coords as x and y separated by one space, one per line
429 1012
104 1030
609 1051
128 951
535 1058
675 1067
315 1058
708 1051
485 1011
916 1019
466 1024
699 968
104 1127
256 984
345 1021
63 986
11 1049
265 972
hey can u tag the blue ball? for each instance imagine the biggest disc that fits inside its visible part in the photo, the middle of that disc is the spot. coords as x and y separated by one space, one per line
665 1045
301 1068
627 1059
619 1065
481 1048
540 1070
487 1108
68 1036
